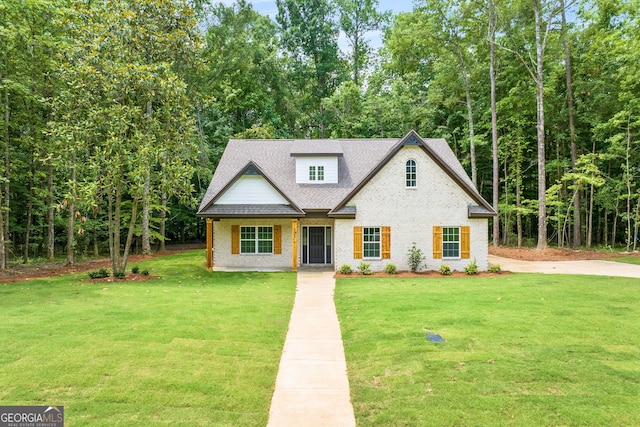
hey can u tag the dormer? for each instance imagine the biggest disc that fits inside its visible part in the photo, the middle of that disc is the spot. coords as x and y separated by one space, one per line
316 161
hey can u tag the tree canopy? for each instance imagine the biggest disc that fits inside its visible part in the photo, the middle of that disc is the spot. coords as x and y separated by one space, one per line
114 114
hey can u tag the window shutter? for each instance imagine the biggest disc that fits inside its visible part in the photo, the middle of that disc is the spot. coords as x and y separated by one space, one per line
357 242
437 242
386 242
277 239
235 239
465 241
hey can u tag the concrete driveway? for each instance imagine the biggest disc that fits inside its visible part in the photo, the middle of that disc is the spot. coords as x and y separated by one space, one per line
590 267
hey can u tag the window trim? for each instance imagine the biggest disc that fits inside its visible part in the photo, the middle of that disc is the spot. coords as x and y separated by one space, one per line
457 242
366 243
256 240
411 174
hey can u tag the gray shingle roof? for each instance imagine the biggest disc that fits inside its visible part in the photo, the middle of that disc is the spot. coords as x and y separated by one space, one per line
360 160
221 211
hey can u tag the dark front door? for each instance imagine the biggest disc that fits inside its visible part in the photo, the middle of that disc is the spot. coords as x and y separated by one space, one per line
316 245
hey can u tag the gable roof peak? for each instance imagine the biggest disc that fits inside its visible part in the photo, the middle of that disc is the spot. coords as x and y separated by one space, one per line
412 139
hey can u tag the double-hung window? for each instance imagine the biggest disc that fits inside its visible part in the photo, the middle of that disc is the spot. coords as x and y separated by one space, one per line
256 240
411 173
371 242
451 242
316 173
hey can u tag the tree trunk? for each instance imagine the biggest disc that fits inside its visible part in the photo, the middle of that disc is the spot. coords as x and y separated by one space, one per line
127 245
3 246
590 219
472 146
494 122
507 218
628 180
146 197
518 211
146 240
542 188
163 222
605 232
3 257
7 172
615 225
115 228
356 60
636 219
27 231
72 212
572 126
51 231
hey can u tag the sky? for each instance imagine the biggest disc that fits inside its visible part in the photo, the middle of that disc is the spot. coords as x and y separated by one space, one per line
268 7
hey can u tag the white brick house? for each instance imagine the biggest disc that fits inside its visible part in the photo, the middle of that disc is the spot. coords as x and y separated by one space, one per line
281 204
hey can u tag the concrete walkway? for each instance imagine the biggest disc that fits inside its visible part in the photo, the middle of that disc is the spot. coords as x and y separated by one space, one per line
312 388
592 267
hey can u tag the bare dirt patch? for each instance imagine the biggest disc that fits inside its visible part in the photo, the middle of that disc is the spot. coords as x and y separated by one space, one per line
551 254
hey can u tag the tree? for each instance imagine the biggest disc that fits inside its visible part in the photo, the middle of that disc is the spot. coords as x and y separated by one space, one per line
310 38
357 18
544 14
494 123
122 60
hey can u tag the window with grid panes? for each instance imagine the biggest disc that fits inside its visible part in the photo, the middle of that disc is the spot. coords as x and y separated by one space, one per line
256 240
411 173
371 242
451 242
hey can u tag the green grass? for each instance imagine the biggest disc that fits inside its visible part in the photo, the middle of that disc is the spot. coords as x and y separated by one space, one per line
191 348
629 259
520 350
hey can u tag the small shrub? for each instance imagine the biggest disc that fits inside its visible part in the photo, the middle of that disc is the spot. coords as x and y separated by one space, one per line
99 274
135 269
472 268
119 274
416 258
445 270
391 269
345 269
495 268
364 268
145 272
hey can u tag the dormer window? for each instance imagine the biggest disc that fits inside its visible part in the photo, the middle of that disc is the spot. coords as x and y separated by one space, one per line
316 173
411 174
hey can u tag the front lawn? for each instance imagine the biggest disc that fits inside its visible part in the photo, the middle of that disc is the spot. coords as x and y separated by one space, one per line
521 350
629 259
191 348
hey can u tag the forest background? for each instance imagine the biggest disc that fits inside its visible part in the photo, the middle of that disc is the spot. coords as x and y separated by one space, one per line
114 114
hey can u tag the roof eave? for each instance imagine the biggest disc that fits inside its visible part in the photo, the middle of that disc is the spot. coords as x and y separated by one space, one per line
236 178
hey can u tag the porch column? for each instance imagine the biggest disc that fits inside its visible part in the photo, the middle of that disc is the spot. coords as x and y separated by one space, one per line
210 244
294 245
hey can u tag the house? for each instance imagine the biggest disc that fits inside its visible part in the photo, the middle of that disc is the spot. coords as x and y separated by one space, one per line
280 204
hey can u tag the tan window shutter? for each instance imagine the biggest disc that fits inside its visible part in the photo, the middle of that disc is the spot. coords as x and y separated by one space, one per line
235 239
277 239
357 242
386 242
437 242
465 241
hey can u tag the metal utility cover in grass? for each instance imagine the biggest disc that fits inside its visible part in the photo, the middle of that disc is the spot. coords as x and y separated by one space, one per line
435 338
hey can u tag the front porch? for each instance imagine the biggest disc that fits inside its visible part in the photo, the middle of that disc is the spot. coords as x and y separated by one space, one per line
306 242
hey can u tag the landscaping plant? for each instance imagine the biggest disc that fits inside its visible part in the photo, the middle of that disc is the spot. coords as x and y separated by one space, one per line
416 258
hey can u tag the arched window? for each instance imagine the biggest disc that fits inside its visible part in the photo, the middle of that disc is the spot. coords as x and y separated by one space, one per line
411 173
